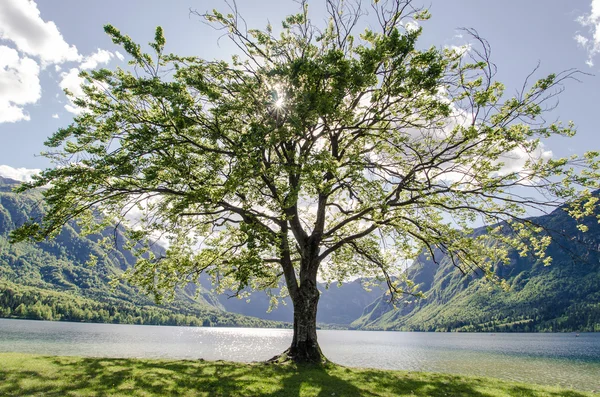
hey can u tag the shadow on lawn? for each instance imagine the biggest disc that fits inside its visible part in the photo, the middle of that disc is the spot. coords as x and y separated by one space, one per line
110 377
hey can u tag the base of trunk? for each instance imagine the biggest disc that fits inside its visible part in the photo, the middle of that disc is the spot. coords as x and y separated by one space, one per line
304 347
300 354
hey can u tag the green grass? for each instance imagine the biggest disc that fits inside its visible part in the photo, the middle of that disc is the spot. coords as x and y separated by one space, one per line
26 375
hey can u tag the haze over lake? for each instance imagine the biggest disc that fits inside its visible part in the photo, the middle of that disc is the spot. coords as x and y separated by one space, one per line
553 359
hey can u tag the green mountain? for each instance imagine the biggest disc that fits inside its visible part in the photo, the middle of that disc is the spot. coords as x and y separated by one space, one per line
564 296
52 279
339 305
53 272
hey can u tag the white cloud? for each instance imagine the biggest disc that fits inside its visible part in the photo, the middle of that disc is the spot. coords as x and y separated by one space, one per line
19 85
460 49
411 26
591 22
37 44
18 174
97 58
72 108
120 56
515 160
72 82
55 116
21 23
582 41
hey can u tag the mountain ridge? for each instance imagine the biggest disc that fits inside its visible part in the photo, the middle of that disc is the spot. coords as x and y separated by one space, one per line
564 296
53 280
560 297
60 264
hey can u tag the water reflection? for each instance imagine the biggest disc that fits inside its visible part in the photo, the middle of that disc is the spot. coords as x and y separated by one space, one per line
554 359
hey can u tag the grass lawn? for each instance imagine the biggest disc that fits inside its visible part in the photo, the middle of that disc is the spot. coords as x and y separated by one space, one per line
26 375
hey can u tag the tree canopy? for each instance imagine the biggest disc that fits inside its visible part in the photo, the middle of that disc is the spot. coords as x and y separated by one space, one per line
315 151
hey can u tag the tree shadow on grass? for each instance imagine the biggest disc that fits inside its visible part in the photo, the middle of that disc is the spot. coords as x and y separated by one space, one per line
439 384
110 377
525 392
339 381
63 376
333 380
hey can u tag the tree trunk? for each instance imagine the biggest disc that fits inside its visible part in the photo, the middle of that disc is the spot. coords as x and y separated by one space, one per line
305 347
305 298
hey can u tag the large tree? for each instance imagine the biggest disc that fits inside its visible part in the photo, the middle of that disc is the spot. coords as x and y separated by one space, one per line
312 153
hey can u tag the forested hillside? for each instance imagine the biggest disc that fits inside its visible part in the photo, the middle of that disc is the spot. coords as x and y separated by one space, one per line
564 296
53 280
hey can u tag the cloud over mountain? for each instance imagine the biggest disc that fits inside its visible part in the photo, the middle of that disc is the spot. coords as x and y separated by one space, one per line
18 174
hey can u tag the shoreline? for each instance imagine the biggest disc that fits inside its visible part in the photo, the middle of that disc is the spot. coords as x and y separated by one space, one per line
320 327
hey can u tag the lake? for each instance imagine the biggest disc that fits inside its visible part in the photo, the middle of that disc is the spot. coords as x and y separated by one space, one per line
552 359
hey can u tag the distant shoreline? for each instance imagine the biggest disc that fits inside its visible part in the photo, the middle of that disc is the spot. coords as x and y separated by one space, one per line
321 327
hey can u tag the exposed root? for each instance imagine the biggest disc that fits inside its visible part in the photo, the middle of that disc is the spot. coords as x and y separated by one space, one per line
287 357
282 358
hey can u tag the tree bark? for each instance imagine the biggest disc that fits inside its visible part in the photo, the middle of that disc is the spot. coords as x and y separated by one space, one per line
305 298
305 348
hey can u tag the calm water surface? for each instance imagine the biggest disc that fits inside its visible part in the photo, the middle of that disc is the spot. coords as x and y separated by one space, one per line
553 359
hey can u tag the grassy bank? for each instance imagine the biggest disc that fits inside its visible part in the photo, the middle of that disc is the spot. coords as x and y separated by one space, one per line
24 375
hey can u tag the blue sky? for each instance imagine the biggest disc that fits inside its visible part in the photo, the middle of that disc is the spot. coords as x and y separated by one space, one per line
44 44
